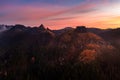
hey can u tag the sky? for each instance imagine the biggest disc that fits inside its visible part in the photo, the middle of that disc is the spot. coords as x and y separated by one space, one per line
57 14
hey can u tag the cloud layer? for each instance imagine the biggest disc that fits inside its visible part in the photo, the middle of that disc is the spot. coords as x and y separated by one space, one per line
57 13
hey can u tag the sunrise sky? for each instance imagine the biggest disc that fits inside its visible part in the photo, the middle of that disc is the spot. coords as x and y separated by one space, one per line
57 14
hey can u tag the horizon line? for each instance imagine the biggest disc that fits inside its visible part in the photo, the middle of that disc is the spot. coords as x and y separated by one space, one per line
60 28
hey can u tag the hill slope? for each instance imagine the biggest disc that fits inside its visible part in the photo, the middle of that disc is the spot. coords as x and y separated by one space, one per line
38 53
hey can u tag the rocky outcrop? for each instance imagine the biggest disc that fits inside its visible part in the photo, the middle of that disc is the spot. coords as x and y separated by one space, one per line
42 27
81 29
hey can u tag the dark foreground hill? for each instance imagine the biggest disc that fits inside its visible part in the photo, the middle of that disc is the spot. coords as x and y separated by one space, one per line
42 54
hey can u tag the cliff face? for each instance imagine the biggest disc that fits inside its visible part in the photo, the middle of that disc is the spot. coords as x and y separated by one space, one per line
77 44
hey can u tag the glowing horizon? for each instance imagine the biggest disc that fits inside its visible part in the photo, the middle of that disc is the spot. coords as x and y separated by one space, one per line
57 14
